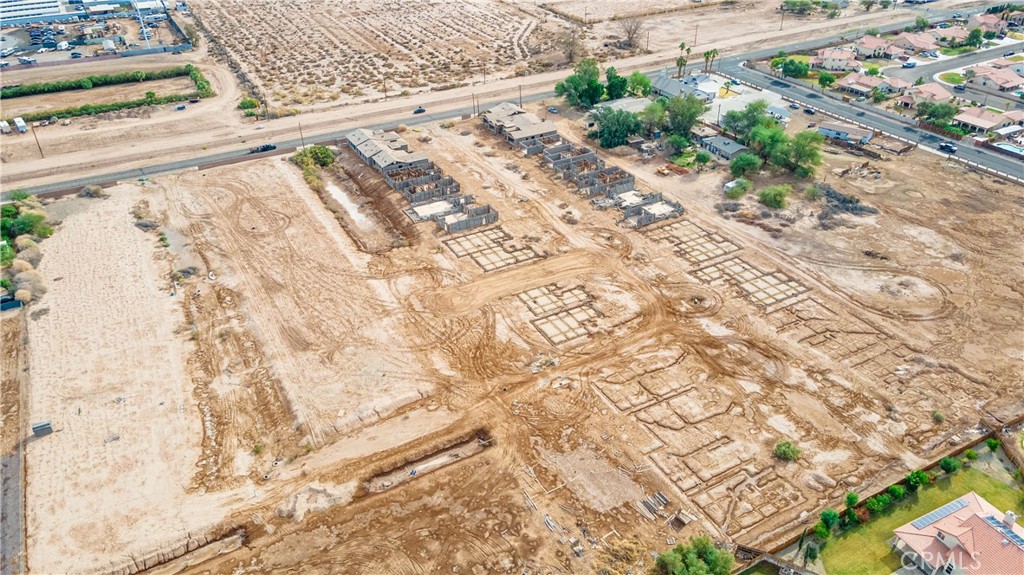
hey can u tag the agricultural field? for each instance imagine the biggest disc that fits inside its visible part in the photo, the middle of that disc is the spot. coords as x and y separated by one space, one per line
355 393
370 48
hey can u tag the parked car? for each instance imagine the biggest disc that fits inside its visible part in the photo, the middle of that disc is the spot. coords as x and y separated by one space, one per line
960 88
809 111
794 106
4 64
948 147
419 110
903 58
910 64
957 15
263 148
180 107
552 110
76 55
1010 53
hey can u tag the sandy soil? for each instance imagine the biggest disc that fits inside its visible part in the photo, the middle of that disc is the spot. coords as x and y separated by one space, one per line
103 95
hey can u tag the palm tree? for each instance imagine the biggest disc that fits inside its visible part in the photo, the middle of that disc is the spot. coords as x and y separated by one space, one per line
684 53
714 54
707 59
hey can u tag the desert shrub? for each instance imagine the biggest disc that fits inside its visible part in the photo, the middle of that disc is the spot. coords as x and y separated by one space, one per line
897 492
822 532
702 157
30 280
31 255
6 255
19 265
248 104
812 193
258 448
24 242
18 195
993 443
937 417
23 295
92 191
949 464
971 454
775 196
9 210
786 451
6 283
739 190
878 503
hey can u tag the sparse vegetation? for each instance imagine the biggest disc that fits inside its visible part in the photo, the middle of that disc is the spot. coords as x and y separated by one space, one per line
311 160
786 451
775 196
700 556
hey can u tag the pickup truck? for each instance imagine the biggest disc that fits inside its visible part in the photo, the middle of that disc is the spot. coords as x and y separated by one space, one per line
263 148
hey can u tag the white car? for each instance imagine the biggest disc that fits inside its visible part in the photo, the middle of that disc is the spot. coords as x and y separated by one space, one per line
42 50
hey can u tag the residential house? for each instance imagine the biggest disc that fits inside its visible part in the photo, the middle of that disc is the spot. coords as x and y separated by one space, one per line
967 536
932 93
518 126
724 147
950 36
835 59
699 85
863 85
982 120
870 47
1002 79
1017 67
987 23
915 42
845 132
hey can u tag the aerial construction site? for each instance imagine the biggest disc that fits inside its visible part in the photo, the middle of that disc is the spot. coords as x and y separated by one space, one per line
477 343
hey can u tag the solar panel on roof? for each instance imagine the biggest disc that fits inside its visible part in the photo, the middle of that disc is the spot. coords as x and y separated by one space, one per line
1005 529
940 513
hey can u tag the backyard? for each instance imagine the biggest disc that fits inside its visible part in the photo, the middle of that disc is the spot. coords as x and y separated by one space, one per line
863 549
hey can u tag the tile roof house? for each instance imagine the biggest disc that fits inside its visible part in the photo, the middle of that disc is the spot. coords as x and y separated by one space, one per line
987 22
870 47
932 92
1016 66
915 41
967 536
516 124
950 36
982 120
1002 79
384 151
862 84
836 59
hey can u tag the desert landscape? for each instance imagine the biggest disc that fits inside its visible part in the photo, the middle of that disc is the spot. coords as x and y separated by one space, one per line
257 366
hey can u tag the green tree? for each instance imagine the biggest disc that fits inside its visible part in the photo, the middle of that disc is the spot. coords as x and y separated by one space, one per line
921 23
709 58
938 114
770 141
150 96
974 38
639 84
806 152
993 443
775 197
682 113
949 465
989 34
810 554
784 450
741 122
829 518
821 532
916 479
971 454
878 503
698 558
684 54
616 84
873 71
852 499
582 88
797 6
615 126
740 166
871 32
868 4
884 4
677 143
826 80
795 69
702 157
653 117
897 492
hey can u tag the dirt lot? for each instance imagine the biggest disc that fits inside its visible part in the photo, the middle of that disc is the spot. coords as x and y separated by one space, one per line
135 91
309 368
367 48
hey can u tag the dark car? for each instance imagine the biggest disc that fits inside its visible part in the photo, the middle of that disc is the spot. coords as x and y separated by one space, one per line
947 147
76 55
809 111
263 148
960 88
1010 53
419 110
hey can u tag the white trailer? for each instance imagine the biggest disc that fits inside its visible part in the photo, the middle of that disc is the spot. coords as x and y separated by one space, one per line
19 125
5 128
63 46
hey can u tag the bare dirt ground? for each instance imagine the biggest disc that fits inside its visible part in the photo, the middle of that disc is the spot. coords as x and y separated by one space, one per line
599 364
106 94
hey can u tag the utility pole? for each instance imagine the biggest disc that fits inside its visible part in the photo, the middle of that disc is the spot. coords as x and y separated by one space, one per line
41 148
648 40
520 95
696 27
301 138
783 19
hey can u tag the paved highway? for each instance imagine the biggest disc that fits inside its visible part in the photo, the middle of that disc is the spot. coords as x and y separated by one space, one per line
873 117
